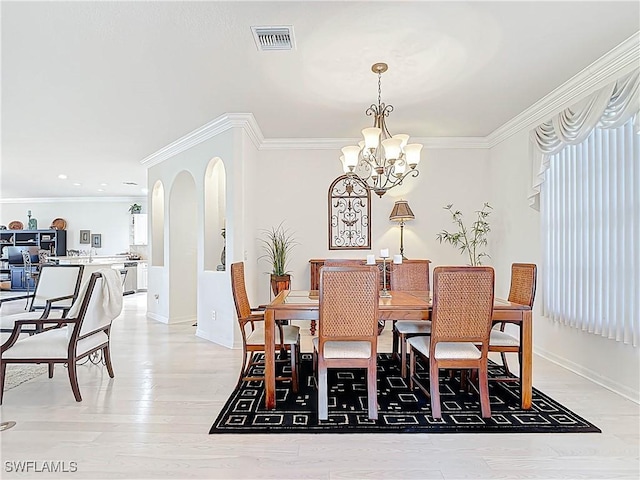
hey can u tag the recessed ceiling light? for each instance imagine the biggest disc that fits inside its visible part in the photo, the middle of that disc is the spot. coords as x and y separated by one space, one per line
77 184
130 183
101 189
62 176
103 184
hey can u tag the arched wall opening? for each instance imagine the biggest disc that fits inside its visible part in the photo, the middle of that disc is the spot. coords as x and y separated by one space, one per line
157 225
183 249
214 215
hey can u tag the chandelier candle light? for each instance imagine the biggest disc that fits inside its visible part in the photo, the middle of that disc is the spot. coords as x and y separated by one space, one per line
380 161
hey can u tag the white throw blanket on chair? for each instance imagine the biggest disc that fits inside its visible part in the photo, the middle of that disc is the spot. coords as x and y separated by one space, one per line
111 294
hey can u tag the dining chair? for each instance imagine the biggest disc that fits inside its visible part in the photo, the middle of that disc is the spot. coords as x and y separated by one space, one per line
251 322
348 328
56 290
460 325
522 291
85 330
409 275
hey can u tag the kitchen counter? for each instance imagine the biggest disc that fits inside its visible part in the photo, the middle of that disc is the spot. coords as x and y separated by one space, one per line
95 259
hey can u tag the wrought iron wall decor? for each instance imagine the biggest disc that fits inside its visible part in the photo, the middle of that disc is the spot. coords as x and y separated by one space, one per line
349 214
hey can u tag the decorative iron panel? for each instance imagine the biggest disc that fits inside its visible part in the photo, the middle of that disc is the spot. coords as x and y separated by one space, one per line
349 214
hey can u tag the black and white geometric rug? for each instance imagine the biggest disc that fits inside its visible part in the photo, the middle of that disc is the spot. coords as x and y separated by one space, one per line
401 410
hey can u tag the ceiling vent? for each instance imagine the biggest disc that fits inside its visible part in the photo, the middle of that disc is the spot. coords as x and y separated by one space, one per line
273 38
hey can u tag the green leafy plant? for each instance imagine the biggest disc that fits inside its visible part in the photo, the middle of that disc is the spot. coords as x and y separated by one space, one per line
277 245
135 208
469 240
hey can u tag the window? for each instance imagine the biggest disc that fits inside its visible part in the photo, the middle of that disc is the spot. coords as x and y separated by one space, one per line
591 234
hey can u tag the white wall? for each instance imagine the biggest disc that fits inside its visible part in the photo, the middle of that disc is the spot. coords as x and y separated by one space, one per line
292 185
517 238
108 217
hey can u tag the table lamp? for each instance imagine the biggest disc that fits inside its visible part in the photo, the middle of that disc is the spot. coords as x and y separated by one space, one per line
401 213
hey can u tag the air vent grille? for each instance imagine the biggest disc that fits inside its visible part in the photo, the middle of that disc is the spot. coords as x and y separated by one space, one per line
273 38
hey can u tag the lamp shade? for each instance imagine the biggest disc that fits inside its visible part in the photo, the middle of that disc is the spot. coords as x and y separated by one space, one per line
401 212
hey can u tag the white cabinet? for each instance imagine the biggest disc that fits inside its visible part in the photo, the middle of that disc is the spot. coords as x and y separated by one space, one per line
142 276
138 229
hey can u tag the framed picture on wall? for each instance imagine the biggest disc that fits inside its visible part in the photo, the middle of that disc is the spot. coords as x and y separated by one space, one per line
85 236
96 240
349 208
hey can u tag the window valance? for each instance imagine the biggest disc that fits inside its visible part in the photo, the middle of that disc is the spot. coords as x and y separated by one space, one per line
609 107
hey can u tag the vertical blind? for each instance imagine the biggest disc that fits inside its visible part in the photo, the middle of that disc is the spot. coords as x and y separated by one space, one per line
591 234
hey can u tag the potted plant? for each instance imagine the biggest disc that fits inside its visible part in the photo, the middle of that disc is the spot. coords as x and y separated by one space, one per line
135 208
277 243
469 240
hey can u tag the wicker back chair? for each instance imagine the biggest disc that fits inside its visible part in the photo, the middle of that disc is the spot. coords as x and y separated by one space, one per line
348 328
409 275
460 326
251 322
523 292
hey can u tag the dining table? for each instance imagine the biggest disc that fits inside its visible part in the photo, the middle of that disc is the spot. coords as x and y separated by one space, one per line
401 305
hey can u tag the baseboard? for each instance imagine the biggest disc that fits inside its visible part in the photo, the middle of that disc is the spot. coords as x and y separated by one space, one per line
157 318
596 378
224 342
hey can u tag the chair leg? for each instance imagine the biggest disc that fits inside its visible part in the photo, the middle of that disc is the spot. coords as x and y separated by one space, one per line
395 339
412 367
323 394
372 387
403 355
73 379
106 353
504 363
434 389
245 365
3 371
483 380
51 365
294 368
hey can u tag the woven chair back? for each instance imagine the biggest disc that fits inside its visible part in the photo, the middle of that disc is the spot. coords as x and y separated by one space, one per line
349 303
240 298
462 304
410 275
523 283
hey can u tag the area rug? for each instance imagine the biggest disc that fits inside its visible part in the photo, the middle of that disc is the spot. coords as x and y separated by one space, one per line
401 410
18 374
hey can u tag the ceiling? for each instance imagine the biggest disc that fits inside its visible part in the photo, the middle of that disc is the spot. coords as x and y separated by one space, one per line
89 89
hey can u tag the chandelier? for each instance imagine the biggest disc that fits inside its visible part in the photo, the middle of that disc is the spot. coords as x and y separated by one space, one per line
380 161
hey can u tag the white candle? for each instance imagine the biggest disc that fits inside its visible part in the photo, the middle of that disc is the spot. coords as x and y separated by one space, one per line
397 259
384 253
371 259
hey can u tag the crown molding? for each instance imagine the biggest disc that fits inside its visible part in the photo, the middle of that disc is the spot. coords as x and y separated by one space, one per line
73 199
618 61
338 143
215 127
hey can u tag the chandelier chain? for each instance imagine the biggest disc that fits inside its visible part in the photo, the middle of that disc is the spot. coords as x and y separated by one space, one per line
379 88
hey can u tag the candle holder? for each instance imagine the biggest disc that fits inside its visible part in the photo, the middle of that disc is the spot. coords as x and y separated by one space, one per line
384 293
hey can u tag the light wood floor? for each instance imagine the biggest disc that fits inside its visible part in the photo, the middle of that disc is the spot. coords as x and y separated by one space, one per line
152 421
